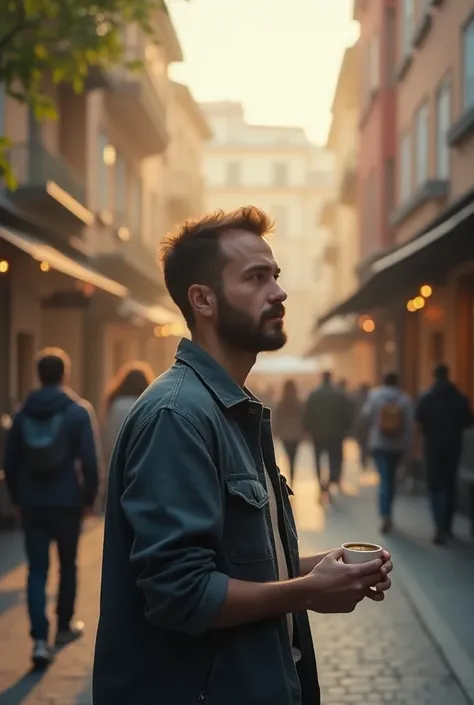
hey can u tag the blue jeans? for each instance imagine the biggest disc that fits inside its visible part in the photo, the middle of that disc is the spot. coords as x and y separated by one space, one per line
386 462
42 526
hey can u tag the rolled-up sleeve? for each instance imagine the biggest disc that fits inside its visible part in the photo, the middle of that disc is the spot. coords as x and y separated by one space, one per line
173 502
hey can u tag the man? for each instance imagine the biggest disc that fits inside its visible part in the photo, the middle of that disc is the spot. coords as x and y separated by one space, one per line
327 418
201 597
389 416
51 439
443 414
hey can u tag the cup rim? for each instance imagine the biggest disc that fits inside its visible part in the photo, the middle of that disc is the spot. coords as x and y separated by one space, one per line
347 546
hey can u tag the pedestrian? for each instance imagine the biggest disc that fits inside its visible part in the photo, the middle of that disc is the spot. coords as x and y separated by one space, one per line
51 467
389 414
203 595
443 414
327 418
287 423
360 427
125 388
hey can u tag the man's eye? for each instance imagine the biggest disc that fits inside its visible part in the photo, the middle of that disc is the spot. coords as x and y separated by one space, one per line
257 277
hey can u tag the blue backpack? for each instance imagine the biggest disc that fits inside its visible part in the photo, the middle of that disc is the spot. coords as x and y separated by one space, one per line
45 445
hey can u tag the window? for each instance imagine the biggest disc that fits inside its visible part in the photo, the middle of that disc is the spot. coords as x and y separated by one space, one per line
443 120
279 214
468 60
280 174
404 186
389 185
233 174
408 26
374 63
103 174
390 47
135 218
120 190
422 119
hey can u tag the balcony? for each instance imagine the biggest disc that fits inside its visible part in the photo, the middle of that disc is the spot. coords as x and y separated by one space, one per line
135 104
348 183
47 186
185 194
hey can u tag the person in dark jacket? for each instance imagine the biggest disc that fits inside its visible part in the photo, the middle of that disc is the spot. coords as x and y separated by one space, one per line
443 414
327 419
204 597
52 437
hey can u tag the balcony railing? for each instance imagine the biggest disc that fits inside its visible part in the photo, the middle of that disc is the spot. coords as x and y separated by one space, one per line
34 166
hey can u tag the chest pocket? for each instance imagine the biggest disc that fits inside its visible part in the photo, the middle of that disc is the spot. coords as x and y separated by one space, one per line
247 520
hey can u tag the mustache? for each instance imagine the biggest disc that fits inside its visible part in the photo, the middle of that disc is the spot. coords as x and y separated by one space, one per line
273 312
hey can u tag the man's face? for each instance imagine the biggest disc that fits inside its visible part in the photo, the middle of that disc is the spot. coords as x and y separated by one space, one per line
250 301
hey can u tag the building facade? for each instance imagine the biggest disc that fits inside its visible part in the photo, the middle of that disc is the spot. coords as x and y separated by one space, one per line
97 189
347 347
280 171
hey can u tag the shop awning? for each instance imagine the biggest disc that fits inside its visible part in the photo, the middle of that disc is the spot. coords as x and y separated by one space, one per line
62 263
156 314
427 257
334 335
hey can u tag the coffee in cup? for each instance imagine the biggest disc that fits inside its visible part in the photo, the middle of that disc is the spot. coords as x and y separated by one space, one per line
360 551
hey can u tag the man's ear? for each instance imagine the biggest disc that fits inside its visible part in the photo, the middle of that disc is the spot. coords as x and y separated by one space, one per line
203 300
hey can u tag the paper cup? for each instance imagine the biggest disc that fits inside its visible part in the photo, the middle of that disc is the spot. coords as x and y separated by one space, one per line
361 551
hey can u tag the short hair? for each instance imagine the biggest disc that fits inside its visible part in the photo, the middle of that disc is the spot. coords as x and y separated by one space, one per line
52 365
441 372
191 254
391 379
327 376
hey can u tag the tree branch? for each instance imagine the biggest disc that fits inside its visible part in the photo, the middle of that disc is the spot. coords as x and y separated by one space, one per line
12 34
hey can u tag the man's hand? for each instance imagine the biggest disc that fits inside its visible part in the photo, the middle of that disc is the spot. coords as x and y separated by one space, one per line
334 587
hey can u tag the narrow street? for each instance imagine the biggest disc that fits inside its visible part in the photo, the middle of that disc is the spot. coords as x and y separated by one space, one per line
382 653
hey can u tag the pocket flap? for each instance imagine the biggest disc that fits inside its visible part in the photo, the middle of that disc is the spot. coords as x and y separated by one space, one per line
284 482
251 491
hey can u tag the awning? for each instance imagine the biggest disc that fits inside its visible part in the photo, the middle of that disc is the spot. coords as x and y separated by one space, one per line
334 335
156 314
426 257
57 260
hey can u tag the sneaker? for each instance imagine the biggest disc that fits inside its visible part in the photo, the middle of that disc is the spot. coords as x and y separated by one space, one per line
439 538
42 655
386 526
67 636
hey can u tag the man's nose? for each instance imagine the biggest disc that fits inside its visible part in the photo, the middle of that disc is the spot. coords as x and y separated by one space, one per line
279 294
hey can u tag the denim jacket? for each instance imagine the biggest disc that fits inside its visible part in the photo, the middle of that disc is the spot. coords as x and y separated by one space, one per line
187 509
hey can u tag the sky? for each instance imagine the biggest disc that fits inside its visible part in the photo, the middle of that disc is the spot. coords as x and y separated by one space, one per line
279 58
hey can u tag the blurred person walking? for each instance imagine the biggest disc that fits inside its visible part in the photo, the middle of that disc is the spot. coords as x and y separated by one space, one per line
123 391
443 414
51 439
288 423
389 414
327 418
360 428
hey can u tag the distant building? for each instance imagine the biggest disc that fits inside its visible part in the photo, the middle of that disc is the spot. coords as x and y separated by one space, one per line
279 170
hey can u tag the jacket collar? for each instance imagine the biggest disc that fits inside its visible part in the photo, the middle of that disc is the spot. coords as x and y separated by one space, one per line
212 374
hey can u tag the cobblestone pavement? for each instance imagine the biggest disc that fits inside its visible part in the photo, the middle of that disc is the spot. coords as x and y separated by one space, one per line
67 682
379 654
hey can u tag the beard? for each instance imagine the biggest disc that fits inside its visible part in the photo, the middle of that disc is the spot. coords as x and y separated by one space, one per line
239 329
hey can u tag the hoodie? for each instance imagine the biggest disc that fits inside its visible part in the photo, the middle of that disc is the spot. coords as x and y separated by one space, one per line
376 400
75 483
444 414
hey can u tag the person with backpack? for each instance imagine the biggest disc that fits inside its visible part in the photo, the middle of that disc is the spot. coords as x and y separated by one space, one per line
51 468
389 414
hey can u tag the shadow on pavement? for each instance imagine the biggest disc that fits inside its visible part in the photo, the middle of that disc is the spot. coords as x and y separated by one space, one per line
17 693
10 598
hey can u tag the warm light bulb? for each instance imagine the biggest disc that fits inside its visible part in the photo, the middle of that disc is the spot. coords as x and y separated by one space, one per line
109 155
4 266
411 306
157 332
368 325
418 302
426 291
45 266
